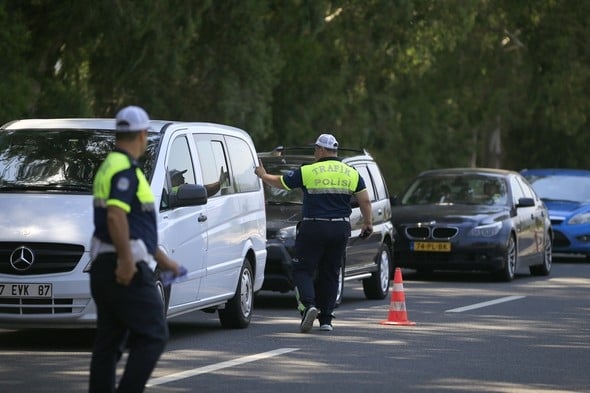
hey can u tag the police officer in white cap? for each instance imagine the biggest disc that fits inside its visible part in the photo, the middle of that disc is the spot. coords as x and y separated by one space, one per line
328 185
129 308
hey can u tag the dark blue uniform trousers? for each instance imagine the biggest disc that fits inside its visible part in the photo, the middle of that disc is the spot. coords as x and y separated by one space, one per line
319 249
132 316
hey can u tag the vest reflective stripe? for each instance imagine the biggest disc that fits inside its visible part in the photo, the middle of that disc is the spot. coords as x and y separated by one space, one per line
329 177
144 191
113 164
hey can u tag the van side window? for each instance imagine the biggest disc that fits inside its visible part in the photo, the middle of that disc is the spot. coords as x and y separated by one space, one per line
243 164
179 169
213 160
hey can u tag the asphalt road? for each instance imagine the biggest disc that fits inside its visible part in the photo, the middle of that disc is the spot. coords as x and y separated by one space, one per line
472 334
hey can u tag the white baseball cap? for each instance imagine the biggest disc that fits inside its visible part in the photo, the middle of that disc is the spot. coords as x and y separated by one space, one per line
327 141
132 118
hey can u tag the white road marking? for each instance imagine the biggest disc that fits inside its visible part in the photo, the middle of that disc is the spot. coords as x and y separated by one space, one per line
218 366
485 304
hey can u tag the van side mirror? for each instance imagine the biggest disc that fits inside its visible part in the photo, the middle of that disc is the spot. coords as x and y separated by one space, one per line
189 195
526 202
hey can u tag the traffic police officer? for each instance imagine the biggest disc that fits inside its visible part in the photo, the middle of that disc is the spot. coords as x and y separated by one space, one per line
125 249
327 185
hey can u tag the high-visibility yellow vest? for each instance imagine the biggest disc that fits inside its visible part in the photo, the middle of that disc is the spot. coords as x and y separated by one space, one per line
329 177
113 164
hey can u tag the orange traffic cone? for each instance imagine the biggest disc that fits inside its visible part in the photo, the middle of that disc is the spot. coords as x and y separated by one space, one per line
397 307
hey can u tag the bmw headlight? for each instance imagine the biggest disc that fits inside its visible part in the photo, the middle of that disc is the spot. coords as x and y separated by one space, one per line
487 230
287 233
582 218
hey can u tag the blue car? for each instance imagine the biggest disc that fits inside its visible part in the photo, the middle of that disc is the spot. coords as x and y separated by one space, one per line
566 193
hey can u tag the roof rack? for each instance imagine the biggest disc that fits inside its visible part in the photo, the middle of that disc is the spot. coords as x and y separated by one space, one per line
304 149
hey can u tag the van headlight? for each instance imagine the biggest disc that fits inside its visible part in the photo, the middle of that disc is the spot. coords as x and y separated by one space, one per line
487 230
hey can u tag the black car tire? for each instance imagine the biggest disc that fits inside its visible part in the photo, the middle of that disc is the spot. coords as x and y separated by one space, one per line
164 291
545 268
510 261
238 310
377 286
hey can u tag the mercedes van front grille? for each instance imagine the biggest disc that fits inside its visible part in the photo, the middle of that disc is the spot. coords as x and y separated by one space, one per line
24 259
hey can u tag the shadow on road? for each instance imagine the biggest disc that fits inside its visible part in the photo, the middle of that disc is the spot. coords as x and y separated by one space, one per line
47 339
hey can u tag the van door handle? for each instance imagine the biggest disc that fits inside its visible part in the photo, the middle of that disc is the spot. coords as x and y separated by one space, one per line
379 212
202 218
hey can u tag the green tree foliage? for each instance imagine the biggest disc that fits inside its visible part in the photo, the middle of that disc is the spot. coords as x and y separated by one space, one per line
16 83
420 83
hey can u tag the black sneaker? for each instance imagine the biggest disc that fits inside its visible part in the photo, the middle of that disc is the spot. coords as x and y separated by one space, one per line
326 327
309 316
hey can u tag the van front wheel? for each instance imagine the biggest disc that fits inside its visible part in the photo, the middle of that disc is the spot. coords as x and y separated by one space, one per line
238 310
163 291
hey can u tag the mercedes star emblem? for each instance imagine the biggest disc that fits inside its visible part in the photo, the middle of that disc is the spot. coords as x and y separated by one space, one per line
22 258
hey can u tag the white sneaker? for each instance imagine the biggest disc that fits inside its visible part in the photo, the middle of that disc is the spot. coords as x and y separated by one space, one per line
326 328
309 316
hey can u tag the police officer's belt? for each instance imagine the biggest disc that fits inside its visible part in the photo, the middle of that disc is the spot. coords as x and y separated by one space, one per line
138 250
326 219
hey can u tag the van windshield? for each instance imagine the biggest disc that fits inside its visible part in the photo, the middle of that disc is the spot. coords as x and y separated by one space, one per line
58 160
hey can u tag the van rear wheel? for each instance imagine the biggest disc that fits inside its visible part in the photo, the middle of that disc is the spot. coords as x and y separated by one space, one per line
238 310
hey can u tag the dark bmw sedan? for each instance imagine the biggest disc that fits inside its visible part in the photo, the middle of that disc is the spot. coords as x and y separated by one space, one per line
472 219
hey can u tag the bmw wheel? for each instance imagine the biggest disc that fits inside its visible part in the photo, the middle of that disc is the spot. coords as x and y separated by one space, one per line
545 268
377 286
510 261
238 310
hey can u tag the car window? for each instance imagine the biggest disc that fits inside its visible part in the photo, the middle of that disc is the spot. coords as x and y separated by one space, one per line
561 187
380 187
213 159
243 164
279 196
364 172
179 169
58 160
527 192
517 191
456 189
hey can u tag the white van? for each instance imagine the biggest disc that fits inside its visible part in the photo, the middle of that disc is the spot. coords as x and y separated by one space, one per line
214 224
